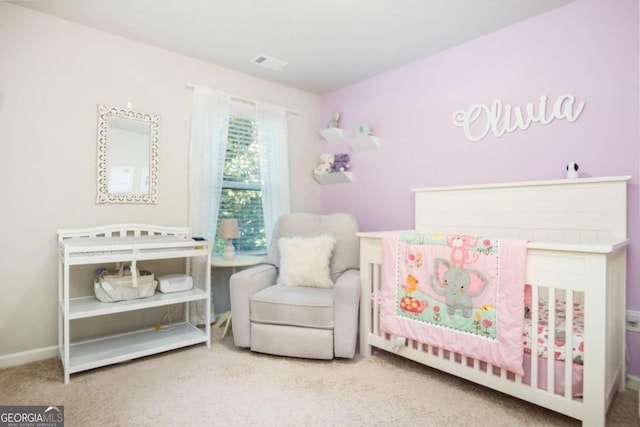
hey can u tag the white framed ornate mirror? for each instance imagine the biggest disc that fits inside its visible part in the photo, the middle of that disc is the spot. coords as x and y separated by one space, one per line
127 156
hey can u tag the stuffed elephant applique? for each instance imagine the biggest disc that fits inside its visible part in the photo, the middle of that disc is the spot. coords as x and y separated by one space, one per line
457 285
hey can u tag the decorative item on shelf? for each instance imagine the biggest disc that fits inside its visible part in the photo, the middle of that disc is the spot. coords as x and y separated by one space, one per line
340 163
326 162
363 130
333 169
334 121
332 133
572 170
229 230
363 139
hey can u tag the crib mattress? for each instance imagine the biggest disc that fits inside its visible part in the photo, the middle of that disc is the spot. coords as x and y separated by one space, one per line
561 330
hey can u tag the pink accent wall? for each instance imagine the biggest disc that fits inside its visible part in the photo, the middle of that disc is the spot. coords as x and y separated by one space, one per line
589 48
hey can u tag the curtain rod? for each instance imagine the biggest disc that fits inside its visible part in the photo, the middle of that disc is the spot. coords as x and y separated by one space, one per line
246 100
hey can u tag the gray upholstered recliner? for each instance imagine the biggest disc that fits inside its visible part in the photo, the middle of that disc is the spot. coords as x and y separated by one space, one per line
300 321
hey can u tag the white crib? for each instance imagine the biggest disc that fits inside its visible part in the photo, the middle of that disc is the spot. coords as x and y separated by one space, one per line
577 253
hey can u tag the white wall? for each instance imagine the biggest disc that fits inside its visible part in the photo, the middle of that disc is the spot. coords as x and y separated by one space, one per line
53 73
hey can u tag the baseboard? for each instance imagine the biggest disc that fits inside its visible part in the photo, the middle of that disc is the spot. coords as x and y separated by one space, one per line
15 359
633 382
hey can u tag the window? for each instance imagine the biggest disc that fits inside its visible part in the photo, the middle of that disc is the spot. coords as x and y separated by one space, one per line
241 195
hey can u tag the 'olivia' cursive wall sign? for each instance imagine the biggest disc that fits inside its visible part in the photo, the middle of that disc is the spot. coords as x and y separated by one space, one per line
478 120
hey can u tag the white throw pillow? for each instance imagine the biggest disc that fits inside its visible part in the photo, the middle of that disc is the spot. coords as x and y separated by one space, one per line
304 261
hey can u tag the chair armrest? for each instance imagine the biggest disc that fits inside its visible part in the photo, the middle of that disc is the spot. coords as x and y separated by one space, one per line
242 286
346 293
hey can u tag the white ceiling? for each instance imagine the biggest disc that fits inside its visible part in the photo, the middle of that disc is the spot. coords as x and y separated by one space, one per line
328 44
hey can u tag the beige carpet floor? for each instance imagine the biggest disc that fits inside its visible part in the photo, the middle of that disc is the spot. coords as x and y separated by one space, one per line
227 386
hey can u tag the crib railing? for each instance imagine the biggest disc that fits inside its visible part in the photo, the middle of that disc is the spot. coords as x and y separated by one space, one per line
596 280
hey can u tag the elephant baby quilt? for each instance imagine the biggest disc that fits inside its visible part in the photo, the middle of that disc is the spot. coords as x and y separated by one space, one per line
457 292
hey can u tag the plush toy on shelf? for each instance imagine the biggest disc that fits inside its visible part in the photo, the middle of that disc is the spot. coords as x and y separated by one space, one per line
326 162
334 121
340 163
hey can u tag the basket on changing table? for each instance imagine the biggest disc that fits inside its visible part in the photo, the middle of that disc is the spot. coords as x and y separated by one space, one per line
123 285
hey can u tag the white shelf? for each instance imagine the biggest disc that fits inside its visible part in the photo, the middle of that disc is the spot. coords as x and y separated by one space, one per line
128 243
90 306
119 348
331 134
333 178
364 143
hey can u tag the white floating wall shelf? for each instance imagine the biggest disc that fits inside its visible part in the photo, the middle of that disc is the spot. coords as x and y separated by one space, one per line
333 178
363 143
331 134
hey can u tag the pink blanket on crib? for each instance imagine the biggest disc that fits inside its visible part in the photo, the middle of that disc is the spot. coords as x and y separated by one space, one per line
460 293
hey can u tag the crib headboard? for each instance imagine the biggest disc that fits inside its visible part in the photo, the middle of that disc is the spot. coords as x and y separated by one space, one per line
584 211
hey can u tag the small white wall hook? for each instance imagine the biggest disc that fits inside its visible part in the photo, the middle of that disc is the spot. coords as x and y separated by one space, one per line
572 170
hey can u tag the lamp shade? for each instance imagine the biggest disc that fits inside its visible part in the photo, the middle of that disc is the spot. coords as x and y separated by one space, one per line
228 229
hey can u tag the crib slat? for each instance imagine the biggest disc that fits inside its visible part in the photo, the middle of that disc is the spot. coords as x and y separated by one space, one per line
375 298
568 346
368 310
551 342
535 304
467 361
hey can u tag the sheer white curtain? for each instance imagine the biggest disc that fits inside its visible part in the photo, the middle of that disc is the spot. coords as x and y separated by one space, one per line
271 123
209 130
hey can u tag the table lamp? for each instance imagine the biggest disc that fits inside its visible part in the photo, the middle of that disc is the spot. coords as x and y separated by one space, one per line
228 230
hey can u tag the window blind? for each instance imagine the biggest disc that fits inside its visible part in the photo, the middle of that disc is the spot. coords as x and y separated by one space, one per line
241 195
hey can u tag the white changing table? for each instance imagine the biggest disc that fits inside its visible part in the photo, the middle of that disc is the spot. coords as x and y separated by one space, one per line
128 243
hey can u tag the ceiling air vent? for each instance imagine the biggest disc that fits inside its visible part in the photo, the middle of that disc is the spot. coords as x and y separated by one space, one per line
269 62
